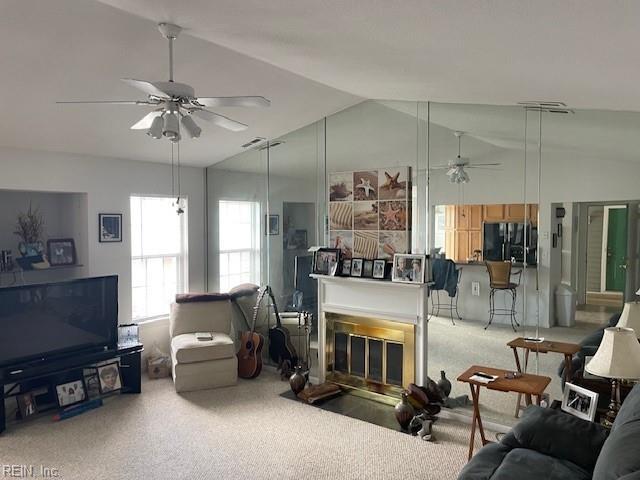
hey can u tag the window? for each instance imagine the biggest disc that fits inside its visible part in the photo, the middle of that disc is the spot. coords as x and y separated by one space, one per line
439 227
158 255
239 237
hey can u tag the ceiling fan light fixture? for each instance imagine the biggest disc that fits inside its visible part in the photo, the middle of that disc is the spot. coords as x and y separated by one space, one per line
156 128
171 127
190 126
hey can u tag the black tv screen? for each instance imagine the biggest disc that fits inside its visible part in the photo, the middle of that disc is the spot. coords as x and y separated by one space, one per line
42 322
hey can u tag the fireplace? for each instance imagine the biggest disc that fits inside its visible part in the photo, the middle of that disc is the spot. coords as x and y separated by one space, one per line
369 354
372 335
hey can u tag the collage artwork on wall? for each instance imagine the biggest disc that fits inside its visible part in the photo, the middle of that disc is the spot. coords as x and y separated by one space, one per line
370 212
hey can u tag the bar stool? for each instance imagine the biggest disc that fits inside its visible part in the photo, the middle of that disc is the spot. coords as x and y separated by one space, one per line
441 277
500 280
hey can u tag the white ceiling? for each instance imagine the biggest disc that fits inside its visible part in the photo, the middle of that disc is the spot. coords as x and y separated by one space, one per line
465 51
304 56
78 50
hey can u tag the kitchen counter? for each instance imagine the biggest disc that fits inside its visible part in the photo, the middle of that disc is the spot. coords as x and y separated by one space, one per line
481 264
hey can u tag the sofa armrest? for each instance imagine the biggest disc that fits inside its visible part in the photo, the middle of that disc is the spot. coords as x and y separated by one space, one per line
484 463
560 435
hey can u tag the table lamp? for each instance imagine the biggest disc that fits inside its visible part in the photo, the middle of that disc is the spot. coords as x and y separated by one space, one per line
617 358
630 317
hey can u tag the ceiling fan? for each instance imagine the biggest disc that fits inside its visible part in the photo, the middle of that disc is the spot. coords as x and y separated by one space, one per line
177 103
456 168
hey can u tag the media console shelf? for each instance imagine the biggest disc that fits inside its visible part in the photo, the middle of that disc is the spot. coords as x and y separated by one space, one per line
130 367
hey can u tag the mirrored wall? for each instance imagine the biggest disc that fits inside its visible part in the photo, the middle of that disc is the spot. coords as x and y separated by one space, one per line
553 193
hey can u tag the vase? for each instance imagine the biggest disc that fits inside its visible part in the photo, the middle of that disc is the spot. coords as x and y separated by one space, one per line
404 412
297 381
444 384
31 249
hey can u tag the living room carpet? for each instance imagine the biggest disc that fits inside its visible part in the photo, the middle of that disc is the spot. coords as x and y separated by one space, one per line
246 431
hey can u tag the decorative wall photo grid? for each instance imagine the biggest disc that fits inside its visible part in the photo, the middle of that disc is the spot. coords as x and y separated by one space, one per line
370 212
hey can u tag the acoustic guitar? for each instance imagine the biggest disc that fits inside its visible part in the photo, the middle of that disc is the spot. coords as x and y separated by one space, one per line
251 343
281 350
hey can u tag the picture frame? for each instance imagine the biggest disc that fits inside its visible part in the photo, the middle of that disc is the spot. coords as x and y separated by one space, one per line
409 268
128 334
356 267
27 404
92 384
367 269
346 267
71 393
379 269
109 377
61 251
272 224
298 240
326 261
580 402
109 227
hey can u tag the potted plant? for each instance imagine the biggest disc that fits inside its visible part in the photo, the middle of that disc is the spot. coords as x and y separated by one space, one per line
30 227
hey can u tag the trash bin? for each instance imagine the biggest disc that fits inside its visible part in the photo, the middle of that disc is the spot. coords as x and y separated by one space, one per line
565 306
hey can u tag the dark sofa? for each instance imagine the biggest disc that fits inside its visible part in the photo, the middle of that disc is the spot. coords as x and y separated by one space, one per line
550 444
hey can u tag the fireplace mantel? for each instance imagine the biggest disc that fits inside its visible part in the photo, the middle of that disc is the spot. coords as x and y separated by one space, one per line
405 303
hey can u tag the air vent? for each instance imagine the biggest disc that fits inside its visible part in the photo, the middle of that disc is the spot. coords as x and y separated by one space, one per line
253 142
270 145
550 107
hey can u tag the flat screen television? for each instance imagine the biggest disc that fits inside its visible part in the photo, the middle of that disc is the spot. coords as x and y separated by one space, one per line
40 323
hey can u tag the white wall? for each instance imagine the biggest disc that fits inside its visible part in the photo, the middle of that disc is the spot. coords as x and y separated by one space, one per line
108 183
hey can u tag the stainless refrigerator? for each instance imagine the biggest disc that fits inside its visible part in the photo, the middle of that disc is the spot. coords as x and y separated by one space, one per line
506 241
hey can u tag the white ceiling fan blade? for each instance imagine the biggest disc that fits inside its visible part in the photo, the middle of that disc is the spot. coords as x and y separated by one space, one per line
440 167
484 165
483 168
233 101
220 120
111 102
147 87
145 122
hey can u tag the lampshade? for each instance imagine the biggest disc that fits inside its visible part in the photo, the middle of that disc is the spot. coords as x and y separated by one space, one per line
190 126
630 317
155 130
618 355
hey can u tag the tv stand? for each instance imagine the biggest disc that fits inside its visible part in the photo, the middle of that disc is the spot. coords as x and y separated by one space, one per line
130 368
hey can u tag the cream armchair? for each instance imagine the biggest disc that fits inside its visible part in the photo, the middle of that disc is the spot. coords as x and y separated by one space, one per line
198 364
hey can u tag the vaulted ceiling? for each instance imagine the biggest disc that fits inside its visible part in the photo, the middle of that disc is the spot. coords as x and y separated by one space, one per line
310 58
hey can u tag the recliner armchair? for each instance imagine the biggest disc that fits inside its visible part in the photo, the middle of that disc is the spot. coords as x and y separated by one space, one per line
198 364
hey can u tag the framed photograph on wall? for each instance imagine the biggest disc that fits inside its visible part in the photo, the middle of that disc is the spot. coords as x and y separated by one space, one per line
61 251
109 227
71 393
272 224
326 261
579 402
408 268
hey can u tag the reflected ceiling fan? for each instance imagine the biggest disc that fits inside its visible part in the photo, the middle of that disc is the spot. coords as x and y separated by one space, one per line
177 103
456 168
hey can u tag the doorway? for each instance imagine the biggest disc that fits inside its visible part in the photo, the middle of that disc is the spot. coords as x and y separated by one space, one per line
606 255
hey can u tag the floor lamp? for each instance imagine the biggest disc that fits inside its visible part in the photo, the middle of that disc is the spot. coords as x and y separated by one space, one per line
617 358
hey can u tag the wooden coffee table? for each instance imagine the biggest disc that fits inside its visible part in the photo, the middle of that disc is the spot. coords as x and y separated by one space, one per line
566 349
527 384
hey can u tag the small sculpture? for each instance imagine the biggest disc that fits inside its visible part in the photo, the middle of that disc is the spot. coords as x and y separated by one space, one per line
297 381
404 412
444 384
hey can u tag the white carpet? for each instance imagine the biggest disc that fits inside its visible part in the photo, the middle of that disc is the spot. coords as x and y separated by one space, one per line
242 432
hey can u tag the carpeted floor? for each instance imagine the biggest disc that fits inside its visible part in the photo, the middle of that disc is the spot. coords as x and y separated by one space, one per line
241 432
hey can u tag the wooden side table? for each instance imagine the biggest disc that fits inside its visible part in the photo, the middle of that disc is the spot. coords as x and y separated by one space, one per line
566 349
527 384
